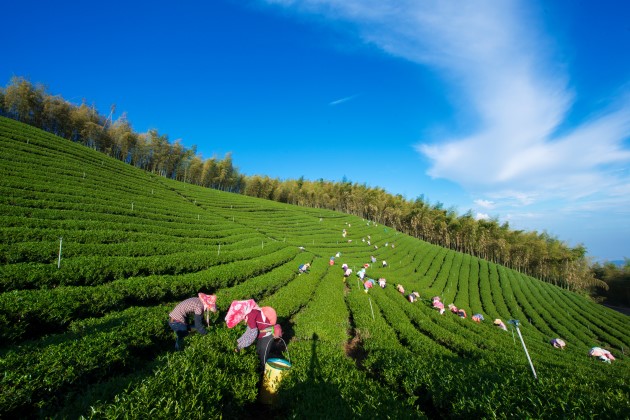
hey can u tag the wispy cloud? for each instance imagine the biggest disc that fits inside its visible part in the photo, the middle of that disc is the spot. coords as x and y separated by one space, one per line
501 69
342 100
521 148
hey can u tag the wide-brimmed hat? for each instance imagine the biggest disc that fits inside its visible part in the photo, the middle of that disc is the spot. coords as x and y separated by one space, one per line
270 314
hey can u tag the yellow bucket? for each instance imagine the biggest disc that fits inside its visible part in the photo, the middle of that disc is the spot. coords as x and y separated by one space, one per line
274 370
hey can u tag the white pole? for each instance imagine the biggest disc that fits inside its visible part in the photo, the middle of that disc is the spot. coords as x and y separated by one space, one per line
371 309
132 206
515 322
59 260
219 251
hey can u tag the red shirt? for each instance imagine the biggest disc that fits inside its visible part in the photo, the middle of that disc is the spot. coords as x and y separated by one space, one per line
255 320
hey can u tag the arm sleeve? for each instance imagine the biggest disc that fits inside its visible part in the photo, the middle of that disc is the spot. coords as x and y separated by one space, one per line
247 338
199 324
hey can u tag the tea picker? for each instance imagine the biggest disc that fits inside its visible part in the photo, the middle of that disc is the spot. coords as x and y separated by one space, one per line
368 285
603 354
558 343
438 304
500 324
261 326
195 307
477 318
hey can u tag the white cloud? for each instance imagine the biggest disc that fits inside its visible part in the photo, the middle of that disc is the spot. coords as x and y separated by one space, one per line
486 204
500 68
482 216
513 198
523 152
526 215
579 164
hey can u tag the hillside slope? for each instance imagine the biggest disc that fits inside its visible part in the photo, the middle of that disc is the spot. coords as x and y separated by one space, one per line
86 333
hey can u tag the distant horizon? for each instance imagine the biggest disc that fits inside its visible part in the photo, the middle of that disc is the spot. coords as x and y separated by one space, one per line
515 110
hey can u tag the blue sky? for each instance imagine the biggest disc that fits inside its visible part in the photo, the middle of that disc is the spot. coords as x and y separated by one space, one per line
513 109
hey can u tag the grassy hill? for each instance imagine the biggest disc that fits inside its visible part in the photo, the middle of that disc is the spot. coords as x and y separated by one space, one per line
87 334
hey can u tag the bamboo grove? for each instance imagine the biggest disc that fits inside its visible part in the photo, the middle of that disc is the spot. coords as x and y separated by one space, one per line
537 254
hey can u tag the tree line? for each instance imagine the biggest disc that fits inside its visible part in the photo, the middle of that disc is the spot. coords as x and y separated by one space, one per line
617 277
537 254
152 151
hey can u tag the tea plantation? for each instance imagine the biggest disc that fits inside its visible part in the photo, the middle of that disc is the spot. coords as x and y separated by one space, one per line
95 253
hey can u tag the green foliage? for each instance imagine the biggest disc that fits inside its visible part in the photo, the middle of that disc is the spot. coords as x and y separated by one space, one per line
207 381
91 338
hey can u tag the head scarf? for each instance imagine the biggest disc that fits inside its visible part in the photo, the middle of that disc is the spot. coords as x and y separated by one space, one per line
209 302
239 309
558 343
